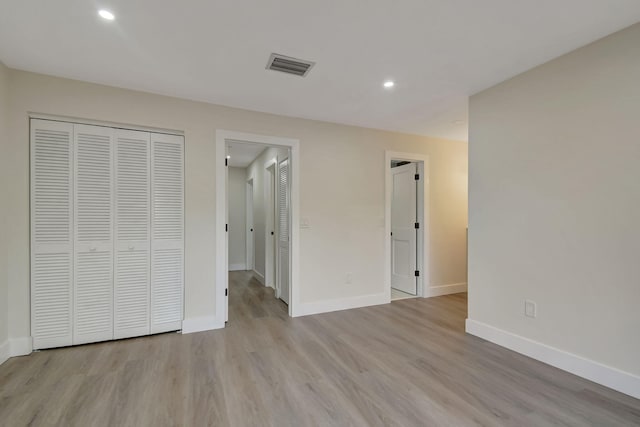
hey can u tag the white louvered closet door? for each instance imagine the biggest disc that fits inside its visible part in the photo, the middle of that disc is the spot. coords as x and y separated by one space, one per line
283 230
51 233
167 232
93 272
132 228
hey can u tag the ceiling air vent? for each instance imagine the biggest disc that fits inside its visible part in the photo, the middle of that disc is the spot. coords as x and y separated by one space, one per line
289 65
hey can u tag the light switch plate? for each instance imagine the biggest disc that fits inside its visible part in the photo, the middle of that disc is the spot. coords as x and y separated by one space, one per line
530 308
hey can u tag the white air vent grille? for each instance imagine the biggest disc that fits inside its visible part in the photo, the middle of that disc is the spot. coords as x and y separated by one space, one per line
286 64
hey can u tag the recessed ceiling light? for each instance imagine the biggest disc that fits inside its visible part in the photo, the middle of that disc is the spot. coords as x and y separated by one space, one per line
388 84
106 15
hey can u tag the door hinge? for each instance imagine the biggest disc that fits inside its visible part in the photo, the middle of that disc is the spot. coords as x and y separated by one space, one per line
416 225
226 292
226 162
226 227
417 177
417 273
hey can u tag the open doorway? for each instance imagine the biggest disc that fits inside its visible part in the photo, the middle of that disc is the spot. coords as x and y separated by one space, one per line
264 167
407 225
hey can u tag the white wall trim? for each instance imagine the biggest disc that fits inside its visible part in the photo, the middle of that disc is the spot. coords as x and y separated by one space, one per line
222 276
199 324
20 346
238 267
259 277
607 376
91 122
305 309
4 352
436 291
15 347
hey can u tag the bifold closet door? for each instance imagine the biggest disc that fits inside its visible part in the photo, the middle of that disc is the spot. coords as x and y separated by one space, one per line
93 261
132 228
283 230
167 232
51 233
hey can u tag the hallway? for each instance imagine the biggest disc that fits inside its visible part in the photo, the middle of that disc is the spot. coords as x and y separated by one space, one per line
249 299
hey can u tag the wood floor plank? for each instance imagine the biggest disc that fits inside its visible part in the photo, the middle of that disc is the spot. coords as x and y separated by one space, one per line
408 363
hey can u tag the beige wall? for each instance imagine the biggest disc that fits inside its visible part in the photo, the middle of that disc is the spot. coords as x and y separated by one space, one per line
237 183
4 102
342 189
554 202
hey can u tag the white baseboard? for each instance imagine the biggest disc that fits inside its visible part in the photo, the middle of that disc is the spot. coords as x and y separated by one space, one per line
20 346
607 376
305 309
259 276
4 352
436 291
237 267
199 324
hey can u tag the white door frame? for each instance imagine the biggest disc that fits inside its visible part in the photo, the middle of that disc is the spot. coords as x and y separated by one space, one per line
423 219
270 220
250 237
222 250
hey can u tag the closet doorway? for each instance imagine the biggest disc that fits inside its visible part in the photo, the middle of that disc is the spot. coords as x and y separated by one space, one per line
107 232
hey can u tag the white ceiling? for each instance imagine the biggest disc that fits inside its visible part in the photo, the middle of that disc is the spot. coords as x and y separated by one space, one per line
438 51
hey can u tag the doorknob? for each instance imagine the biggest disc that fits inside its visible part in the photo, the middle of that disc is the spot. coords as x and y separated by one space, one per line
272 233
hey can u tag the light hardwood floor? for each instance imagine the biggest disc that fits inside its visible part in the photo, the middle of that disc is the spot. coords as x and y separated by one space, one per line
408 363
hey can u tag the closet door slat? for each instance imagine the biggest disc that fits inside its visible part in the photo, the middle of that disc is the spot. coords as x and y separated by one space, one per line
167 232
51 233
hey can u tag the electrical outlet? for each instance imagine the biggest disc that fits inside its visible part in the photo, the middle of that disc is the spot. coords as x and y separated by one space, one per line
529 308
349 278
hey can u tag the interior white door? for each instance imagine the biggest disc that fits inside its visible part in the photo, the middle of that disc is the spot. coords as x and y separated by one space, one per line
250 227
270 228
283 282
132 230
167 232
403 231
93 248
51 233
